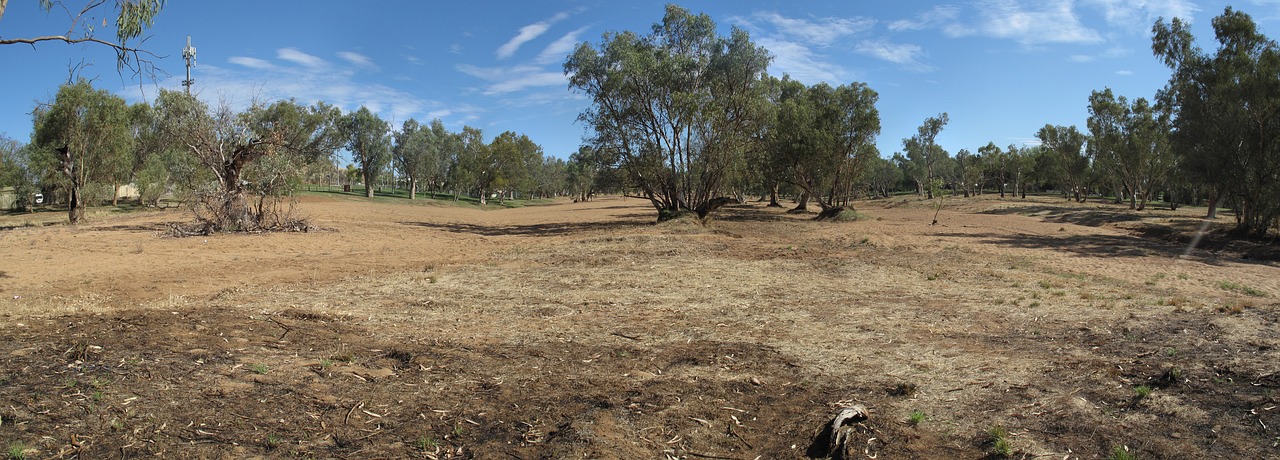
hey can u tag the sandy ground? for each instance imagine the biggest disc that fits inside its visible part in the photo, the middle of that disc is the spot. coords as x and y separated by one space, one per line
584 330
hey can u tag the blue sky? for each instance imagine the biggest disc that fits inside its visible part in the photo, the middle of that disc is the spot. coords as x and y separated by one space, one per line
1000 68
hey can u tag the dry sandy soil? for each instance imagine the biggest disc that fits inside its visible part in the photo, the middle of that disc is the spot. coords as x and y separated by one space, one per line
583 330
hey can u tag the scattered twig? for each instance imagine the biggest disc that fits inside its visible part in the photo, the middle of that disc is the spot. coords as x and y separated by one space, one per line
702 455
286 328
619 334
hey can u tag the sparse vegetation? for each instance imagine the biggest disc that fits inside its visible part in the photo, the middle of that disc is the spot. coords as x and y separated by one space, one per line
1141 391
916 418
16 451
998 440
1122 453
1243 289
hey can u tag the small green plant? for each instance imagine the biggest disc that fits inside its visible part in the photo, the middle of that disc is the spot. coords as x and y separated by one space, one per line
1243 289
426 443
932 276
17 451
916 418
271 442
1122 453
117 425
260 369
458 431
1142 391
326 363
98 395
999 438
1171 351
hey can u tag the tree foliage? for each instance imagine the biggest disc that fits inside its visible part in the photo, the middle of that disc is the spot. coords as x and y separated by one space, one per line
924 153
132 18
87 131
1130 140
1068 160
1226 108
369 141
678 105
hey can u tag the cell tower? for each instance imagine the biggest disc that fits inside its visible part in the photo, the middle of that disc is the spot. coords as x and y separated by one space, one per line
189 53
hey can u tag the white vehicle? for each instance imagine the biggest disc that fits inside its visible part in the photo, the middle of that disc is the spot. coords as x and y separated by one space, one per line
39 198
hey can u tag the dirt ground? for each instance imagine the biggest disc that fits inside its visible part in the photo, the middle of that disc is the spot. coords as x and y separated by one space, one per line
583 330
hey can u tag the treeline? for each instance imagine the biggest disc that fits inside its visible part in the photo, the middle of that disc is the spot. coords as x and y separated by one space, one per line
685 117
234 167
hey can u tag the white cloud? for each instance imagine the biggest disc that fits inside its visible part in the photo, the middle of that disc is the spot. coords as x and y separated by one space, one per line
558 50
936 17
504 80
1081 58
356 58
905 55
1138 15
252 63
413 60
819 32
526 34
1055 22
301 58
455 49
801 63
1124 73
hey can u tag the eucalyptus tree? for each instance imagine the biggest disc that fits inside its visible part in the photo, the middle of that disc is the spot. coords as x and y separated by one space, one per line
16 171
971 171
924 153
88 131
823 138
1067 145
369 141
1226 109
1130 140
678 105
1021 167
412 150
231 145
999 165
882 176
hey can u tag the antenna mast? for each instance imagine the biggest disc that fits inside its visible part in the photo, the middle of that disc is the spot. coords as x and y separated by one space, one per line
189 54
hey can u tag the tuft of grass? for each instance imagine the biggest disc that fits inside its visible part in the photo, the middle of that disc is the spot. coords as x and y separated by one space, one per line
425 443
260 369
271 442
326 363
1241 288
1122 453
916 418
999 439
16 451
1142 391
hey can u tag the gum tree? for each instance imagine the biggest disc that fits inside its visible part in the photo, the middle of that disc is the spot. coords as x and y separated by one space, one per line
369 141
88 132
678 106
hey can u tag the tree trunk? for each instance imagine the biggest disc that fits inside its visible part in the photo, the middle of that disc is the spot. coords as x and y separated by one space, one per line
802 205
115 194
1213 205
773 197
75 209
413 188
368 186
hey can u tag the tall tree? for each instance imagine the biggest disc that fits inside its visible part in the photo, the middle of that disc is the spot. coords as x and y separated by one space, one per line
132 18
1227 113
998 165
824 136
369 141
89 130
1131 140
412 150
1067 144
678 105
924 152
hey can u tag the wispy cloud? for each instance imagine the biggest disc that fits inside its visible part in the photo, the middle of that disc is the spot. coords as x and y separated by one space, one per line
559 49
528 33
503 80
1081 58
356 58
1124 73
801 63
264 80
798 44
300 58
1054 22
818 31
906 55
252 63
1137 16
934 18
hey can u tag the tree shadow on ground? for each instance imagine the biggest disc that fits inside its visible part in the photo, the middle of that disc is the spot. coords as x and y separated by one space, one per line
1095 246
1086 215
751 213
622 222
